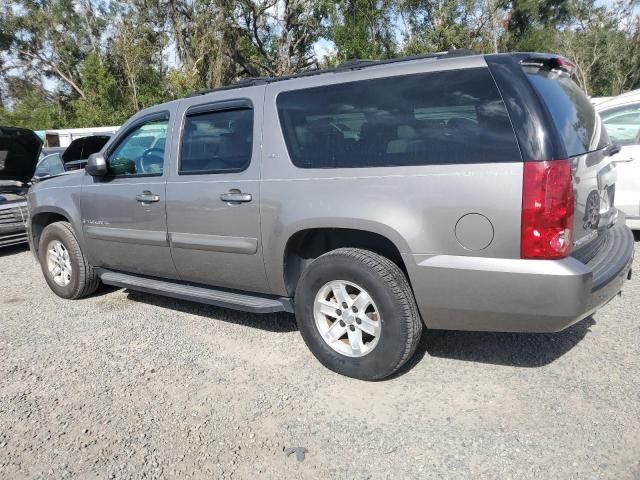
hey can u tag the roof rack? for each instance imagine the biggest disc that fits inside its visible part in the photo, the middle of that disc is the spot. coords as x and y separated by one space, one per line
352 64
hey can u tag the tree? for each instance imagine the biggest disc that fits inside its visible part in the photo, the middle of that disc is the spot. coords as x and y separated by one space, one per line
53 37
101 103
362 29
435 26
95 62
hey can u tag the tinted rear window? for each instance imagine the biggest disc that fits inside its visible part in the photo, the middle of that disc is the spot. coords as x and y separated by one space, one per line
571 110
430 118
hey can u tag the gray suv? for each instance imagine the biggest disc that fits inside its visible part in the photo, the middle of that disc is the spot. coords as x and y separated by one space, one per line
454 191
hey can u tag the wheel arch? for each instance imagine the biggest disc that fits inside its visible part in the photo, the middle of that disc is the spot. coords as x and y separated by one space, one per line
304 246
41 219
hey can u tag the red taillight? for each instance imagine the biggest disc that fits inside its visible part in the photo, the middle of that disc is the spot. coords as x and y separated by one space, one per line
547 209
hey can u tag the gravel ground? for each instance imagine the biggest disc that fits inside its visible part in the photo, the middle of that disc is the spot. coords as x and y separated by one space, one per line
129 385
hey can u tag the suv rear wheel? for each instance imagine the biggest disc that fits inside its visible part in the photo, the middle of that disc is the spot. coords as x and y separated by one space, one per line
65 268
357 314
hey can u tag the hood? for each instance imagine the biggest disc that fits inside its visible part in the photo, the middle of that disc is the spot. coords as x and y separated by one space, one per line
19 152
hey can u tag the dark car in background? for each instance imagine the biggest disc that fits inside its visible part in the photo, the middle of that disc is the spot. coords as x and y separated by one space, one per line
74 157
19 152
21 163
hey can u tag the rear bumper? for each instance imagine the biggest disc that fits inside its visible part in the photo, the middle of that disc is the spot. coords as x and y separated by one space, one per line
513 295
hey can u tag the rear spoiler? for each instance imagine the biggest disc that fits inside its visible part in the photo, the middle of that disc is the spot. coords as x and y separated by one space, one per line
552 62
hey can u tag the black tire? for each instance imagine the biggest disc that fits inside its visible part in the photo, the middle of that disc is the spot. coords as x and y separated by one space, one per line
401 325
84 280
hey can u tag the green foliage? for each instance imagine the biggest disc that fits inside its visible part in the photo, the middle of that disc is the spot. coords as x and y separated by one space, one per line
362 29
102 96
78 63
34 112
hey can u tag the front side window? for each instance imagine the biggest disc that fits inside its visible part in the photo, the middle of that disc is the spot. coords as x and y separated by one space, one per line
217 142
141 152
430 118
623 124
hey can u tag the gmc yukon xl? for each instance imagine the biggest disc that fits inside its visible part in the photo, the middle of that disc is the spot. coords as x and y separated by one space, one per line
452 191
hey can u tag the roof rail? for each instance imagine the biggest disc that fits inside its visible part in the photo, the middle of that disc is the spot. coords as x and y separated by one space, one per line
356 63
353 64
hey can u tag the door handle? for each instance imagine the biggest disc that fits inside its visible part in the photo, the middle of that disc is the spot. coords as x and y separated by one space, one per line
235 196
147 197
624 160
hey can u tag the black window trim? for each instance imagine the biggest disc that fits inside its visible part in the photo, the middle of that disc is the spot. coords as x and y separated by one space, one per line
121 137
212 107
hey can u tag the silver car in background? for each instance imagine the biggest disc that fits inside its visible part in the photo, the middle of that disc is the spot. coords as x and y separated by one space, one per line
621 118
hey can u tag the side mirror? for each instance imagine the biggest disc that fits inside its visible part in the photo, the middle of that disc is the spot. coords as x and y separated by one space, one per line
97 165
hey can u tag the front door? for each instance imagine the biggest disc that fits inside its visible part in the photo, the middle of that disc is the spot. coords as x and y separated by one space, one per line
213 198
124 213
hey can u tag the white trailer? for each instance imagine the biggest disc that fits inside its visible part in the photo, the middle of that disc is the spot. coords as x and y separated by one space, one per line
63 137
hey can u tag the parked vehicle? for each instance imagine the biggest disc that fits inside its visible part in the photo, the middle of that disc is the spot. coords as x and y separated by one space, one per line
621 118
19 150
46 151
470 192
598 100
74 157
64 137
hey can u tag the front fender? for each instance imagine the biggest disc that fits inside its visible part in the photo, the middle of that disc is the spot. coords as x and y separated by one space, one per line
49 203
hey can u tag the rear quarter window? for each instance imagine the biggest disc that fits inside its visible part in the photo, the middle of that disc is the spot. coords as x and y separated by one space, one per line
421 119
571 110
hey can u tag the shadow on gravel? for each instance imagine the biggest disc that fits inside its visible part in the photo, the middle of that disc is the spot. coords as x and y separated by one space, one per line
636 235
103 290
527 350
13 250
513 349
271 322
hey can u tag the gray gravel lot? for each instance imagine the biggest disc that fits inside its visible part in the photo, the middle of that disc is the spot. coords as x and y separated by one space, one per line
129 385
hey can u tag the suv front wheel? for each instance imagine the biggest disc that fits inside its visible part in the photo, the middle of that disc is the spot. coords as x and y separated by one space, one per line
357 314
65 268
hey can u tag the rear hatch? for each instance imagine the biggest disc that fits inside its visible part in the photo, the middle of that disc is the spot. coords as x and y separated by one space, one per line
587 146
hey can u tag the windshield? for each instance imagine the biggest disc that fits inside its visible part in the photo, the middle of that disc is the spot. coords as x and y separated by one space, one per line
49 165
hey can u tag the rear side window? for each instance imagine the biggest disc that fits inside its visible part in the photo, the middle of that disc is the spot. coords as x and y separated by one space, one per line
217 142
430 118
571 111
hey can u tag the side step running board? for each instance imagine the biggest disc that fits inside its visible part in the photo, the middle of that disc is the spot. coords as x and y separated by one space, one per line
211 296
